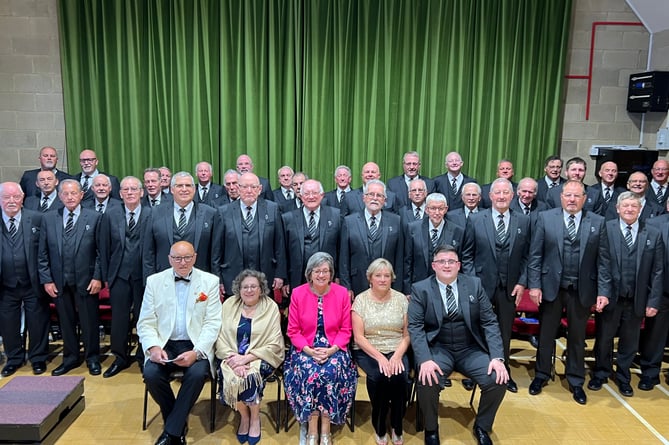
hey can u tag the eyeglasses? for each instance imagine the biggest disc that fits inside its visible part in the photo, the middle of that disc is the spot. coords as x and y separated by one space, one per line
446 262
309 194
182 259
321 272
436 209
250 287
85 160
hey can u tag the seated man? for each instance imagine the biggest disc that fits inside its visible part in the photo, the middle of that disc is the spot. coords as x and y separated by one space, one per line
178 325
453 328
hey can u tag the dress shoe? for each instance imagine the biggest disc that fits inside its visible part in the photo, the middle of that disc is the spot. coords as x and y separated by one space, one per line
511 385
242 438
595 383
481 435
625 388
326 439
647 383
168 439
9 370
432 438
255 440
94 368
39 368
63 369
468 384
578 394
536 385
114 369
534 341
448 383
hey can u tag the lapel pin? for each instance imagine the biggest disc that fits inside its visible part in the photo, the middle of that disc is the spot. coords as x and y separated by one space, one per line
390 229
471 299
592 229
34 229
519 231
329 223
647 243
206 225
87 227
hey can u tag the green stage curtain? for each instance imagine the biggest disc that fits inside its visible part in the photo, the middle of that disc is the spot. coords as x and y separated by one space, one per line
313 83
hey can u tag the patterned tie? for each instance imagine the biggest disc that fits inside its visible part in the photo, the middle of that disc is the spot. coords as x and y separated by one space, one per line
607 194
85 185
341 195
204 193
373 228
571 228
69 225
131 221
417 215
12 229
434 239
45 204
101 208
628 237
289 195
312 225
501 229
554 184
451 305
154 202
181 227
454 186
527 210
249 217
659 195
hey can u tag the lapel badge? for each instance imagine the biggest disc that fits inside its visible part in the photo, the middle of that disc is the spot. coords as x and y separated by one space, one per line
390 229
592 229
329 223
519 231
206 225
87 227
34 229
647 243
266 217
471 299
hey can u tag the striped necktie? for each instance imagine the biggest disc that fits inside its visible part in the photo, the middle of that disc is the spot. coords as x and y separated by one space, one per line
248 221
69 225
373 228
181 226
659 195
312 225
45 204
131 221
434 239
417 215
628 237
451 305
12 229
571 228
501 229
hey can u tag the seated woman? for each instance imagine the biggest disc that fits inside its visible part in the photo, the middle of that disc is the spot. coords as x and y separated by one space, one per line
250 347
381 342
319 375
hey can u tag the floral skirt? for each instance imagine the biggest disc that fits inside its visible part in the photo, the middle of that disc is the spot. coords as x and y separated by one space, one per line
328 388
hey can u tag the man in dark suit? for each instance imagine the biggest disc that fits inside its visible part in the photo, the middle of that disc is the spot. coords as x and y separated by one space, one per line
121 255
552 178
423 237
527 202
415 210
504 170
659 186
496 250
636 260
48 159
304 237
603 195
656 329
353 200
89 170
576 169
102 200
471 198
453 328
285 192
185 220
251 237
342 176
245 165
568 269
400 185
637 183
153 192
296 185
368 235
19 283
48 196
207 192
165 179
69 269
450 183
231 184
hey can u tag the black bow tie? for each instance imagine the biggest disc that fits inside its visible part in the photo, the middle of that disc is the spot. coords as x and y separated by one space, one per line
178 278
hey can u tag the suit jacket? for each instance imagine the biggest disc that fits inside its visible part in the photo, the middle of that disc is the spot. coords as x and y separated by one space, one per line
662 224
426 315
486 202
35 202
28 181
93 204
266 189
407 215
90 196
649 266
160 237
443 186
417 241
159 309
214 194
279 197
479 257
111 238
329 229
458 216
553 200
398 185
535 207
31 223
272 244
649 211
595 201
546 256
355 255
353 202
652 195
166 199
542 187
86 259
330 198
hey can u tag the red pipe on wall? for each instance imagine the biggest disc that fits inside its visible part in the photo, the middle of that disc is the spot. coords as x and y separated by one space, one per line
592 55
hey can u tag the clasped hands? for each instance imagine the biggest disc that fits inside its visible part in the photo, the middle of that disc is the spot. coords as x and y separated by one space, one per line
391 367
239 364
185 359
319 354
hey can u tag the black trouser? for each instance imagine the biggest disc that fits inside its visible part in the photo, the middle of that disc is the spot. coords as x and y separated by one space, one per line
36 310
125 297
621 316
653 341
505 309
69 303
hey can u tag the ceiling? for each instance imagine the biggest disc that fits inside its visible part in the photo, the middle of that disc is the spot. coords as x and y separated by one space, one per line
653 13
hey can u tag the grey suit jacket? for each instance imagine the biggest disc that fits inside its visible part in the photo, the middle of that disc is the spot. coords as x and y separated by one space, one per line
31 223
662 224
426 315
214 194
443 186
355 255
546 256
353 202
34 203
398 185
649 267
28 181
86 259
480 255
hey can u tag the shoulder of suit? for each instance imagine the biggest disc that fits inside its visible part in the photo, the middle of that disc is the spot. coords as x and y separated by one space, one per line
203 275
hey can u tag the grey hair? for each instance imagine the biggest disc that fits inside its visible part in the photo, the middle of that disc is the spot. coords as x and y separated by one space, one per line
436 197
182 174
316 260
374 181
246 273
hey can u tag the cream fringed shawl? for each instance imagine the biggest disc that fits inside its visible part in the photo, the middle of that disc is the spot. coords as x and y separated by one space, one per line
266 343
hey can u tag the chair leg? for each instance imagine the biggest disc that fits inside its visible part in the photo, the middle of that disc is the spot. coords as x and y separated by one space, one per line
277 426
471 399
419 417
146 402
213 403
